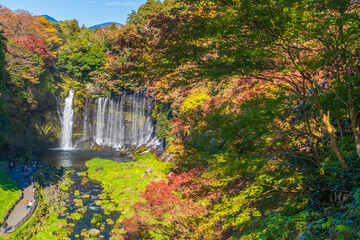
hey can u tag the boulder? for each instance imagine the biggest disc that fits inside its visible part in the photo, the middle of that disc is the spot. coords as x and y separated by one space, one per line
94 232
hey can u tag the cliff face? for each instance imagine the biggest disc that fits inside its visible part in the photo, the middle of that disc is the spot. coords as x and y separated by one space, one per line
27 122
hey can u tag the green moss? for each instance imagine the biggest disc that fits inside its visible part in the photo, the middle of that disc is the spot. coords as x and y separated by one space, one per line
85 196
53 229
122 182
77 193
109 221
96 218
67 182
75 216
82 210
64 187
109 206
78 202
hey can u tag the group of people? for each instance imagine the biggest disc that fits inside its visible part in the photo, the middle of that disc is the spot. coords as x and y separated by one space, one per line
28 164
28 204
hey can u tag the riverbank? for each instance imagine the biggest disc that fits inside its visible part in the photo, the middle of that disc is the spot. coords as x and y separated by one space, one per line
44 222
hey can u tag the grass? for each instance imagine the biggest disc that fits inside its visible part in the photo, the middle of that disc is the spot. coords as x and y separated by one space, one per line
123 182
9 193
53 225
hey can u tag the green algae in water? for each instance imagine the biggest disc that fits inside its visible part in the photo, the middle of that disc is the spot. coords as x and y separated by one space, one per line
78 202
75 216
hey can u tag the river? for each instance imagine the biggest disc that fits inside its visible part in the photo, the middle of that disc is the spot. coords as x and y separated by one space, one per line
74 161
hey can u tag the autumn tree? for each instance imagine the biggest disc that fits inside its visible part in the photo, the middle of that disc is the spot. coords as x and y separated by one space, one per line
2 57
289 43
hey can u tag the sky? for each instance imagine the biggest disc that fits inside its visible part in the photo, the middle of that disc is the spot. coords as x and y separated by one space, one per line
87 12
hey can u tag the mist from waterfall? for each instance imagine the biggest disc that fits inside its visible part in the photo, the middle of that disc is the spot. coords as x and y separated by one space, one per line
120 121
67 123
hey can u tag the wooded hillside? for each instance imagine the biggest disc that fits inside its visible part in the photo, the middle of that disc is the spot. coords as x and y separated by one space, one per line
258 103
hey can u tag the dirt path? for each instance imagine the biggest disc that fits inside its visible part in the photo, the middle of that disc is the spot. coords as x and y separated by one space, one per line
23 179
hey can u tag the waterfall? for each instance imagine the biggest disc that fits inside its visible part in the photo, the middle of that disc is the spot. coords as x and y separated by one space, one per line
58 108
120 121
67 122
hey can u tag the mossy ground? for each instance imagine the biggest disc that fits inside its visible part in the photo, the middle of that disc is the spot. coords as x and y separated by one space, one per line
123 182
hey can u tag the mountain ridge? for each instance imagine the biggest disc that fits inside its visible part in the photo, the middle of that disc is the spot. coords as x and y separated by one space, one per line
51 19
105 24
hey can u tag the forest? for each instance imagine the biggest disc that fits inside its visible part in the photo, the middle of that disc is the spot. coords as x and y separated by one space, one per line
257 101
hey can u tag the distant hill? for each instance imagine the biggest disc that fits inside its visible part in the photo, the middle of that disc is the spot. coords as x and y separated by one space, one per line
105 24
51 19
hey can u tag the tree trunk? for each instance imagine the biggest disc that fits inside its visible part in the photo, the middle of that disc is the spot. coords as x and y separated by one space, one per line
341 128
333 139
325 118
354 124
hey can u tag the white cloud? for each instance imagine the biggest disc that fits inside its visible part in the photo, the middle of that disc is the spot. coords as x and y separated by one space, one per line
89 2
119 3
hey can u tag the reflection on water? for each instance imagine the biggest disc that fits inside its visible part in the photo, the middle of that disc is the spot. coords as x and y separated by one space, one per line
75 159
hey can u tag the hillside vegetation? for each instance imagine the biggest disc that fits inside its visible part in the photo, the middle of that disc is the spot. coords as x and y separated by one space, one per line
257 101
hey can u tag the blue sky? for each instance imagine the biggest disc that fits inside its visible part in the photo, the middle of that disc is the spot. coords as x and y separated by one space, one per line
87 12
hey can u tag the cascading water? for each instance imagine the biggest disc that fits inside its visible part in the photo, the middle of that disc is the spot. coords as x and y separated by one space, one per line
67 122
119 121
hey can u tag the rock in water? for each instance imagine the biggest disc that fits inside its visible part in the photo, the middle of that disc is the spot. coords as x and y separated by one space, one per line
94 232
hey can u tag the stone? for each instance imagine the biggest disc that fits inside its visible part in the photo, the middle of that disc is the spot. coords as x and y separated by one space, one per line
98 169
94 232
148 170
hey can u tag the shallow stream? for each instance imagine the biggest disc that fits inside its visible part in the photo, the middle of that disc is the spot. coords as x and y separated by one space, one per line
74 161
